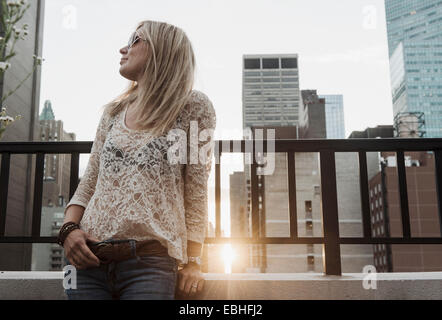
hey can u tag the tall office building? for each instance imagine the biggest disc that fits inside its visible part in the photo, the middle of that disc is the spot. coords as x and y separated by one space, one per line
270 90
56 180
25 102
334 116
56 175
415 50
386 218
312 124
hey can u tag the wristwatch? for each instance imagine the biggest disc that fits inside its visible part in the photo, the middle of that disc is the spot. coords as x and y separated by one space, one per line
196 260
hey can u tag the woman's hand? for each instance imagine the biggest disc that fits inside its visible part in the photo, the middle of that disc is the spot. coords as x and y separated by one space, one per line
190 279
77 251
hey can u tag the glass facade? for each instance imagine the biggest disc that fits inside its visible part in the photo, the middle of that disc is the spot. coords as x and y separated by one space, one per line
415 46
413 20
334 116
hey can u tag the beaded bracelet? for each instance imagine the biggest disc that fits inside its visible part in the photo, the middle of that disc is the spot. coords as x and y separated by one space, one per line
65 229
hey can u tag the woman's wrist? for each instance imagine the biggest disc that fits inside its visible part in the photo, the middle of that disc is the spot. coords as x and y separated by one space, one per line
193 248
66 228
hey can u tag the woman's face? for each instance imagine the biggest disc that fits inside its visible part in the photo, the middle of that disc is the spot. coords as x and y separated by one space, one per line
133 60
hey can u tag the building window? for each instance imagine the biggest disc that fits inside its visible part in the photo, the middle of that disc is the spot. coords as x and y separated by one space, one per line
289 63
308 206
310 259
270 63
252 64
58 215
309 224
253 74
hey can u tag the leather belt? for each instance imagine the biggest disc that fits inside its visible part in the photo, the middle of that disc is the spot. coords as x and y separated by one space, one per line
118 250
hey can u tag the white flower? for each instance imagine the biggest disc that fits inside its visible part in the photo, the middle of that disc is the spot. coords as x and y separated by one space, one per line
39 60
4 65
16 3
12 3
7 118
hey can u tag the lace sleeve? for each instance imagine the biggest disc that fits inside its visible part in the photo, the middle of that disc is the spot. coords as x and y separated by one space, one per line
86 187
198 167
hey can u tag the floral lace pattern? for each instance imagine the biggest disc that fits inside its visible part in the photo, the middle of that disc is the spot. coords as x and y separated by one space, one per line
131 190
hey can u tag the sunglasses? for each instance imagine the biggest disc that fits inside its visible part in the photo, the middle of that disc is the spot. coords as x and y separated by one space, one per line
134 38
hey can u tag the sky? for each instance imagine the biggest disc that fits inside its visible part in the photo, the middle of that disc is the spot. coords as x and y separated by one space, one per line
342 48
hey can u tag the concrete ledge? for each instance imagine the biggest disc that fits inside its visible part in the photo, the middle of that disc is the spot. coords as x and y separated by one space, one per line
28 285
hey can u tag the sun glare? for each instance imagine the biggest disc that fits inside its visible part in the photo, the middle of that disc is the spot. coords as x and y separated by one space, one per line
228 255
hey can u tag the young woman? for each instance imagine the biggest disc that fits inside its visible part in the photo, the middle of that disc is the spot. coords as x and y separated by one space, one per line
135 226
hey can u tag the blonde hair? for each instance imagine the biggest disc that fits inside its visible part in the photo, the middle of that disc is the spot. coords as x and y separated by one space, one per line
167 79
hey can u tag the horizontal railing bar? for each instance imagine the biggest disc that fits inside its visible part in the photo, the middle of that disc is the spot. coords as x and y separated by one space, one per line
281 145
319 240
46 147
416 240
273 240
9 239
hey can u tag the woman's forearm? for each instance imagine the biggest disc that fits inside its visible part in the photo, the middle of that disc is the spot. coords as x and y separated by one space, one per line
193 248
74 213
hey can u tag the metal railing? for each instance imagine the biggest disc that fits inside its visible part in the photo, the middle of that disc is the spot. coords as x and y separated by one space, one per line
331 239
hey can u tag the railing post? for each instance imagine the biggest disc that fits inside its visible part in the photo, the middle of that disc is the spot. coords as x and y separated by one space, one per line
218 154
4 183
38 194
329 208
255 199
438 169
403 195
73 182
291 172
363 187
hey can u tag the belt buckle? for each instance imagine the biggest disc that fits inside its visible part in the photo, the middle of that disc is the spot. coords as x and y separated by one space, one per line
110 242
100 244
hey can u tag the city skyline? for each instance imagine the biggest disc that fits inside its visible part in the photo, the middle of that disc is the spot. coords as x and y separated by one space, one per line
341 53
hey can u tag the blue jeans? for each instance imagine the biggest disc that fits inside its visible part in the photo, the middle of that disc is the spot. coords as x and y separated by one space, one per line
139 278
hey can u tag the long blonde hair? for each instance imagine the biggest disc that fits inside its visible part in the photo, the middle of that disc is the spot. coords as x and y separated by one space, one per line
168 77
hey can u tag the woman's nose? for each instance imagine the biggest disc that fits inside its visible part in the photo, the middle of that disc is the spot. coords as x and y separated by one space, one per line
123 50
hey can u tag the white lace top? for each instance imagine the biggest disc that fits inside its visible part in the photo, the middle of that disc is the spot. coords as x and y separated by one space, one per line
131 191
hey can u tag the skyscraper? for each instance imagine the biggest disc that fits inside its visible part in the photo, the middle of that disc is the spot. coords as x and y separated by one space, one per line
56 174
270 90
312 116
334 116
25 102
415 50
